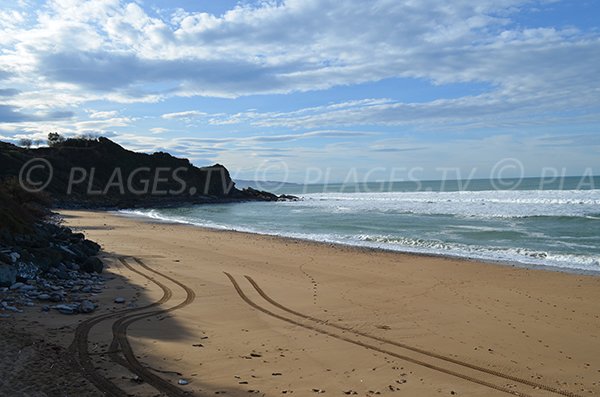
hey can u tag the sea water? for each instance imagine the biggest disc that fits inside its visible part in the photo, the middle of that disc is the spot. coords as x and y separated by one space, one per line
530 222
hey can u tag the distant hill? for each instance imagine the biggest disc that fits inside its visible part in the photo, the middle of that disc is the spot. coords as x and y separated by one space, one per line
100 173
244 183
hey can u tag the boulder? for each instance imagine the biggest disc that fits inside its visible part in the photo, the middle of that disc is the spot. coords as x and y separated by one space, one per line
92 264
90 247
8 275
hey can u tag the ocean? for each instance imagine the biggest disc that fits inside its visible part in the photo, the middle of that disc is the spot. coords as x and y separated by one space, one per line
532 222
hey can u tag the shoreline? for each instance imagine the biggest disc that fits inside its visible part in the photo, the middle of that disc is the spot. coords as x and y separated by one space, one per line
365 248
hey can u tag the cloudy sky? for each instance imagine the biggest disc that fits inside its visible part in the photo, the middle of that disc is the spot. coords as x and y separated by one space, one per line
313 89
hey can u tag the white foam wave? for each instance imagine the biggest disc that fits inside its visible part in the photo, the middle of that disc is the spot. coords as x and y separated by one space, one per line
406 244
501 204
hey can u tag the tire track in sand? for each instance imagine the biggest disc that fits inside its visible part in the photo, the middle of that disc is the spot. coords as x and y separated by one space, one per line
79 347
419 361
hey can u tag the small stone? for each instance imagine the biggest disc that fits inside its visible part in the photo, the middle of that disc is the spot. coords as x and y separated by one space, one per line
66 309
43 297
16 286
119 300
183 382
137 379
86 306
56 297
6 306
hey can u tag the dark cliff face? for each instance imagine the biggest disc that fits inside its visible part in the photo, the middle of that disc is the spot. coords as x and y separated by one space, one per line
100 173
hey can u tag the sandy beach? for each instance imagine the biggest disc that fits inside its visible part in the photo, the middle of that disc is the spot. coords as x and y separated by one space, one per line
245 314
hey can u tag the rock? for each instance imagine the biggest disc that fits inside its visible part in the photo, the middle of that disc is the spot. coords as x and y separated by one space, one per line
66 308
16 286
27 288
14 256
87 306
8 307
183 382
90 247
92 264
8 275
45 308
56 297
61 274
26 271
137 379
4 257
119 300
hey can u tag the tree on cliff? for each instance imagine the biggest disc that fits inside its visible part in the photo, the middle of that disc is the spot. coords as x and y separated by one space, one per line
54 138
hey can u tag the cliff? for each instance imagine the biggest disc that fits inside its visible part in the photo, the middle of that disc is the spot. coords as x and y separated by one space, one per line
101 173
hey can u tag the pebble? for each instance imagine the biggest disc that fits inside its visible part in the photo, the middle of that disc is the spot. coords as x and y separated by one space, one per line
8 307
16 286
44 297
87 306
66 309
119 300
56 297
183 382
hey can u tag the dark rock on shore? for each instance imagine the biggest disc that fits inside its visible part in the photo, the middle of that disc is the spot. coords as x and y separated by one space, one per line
42 261
92 264
8 274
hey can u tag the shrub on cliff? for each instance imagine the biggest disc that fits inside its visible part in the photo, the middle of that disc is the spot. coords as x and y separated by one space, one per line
20 209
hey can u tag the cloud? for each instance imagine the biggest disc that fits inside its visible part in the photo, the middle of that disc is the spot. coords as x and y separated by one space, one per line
284 47
11 114
191 144
103 115
9 92
69 55
180 115
489 110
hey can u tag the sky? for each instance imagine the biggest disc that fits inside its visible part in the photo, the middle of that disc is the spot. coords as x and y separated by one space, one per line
314 90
